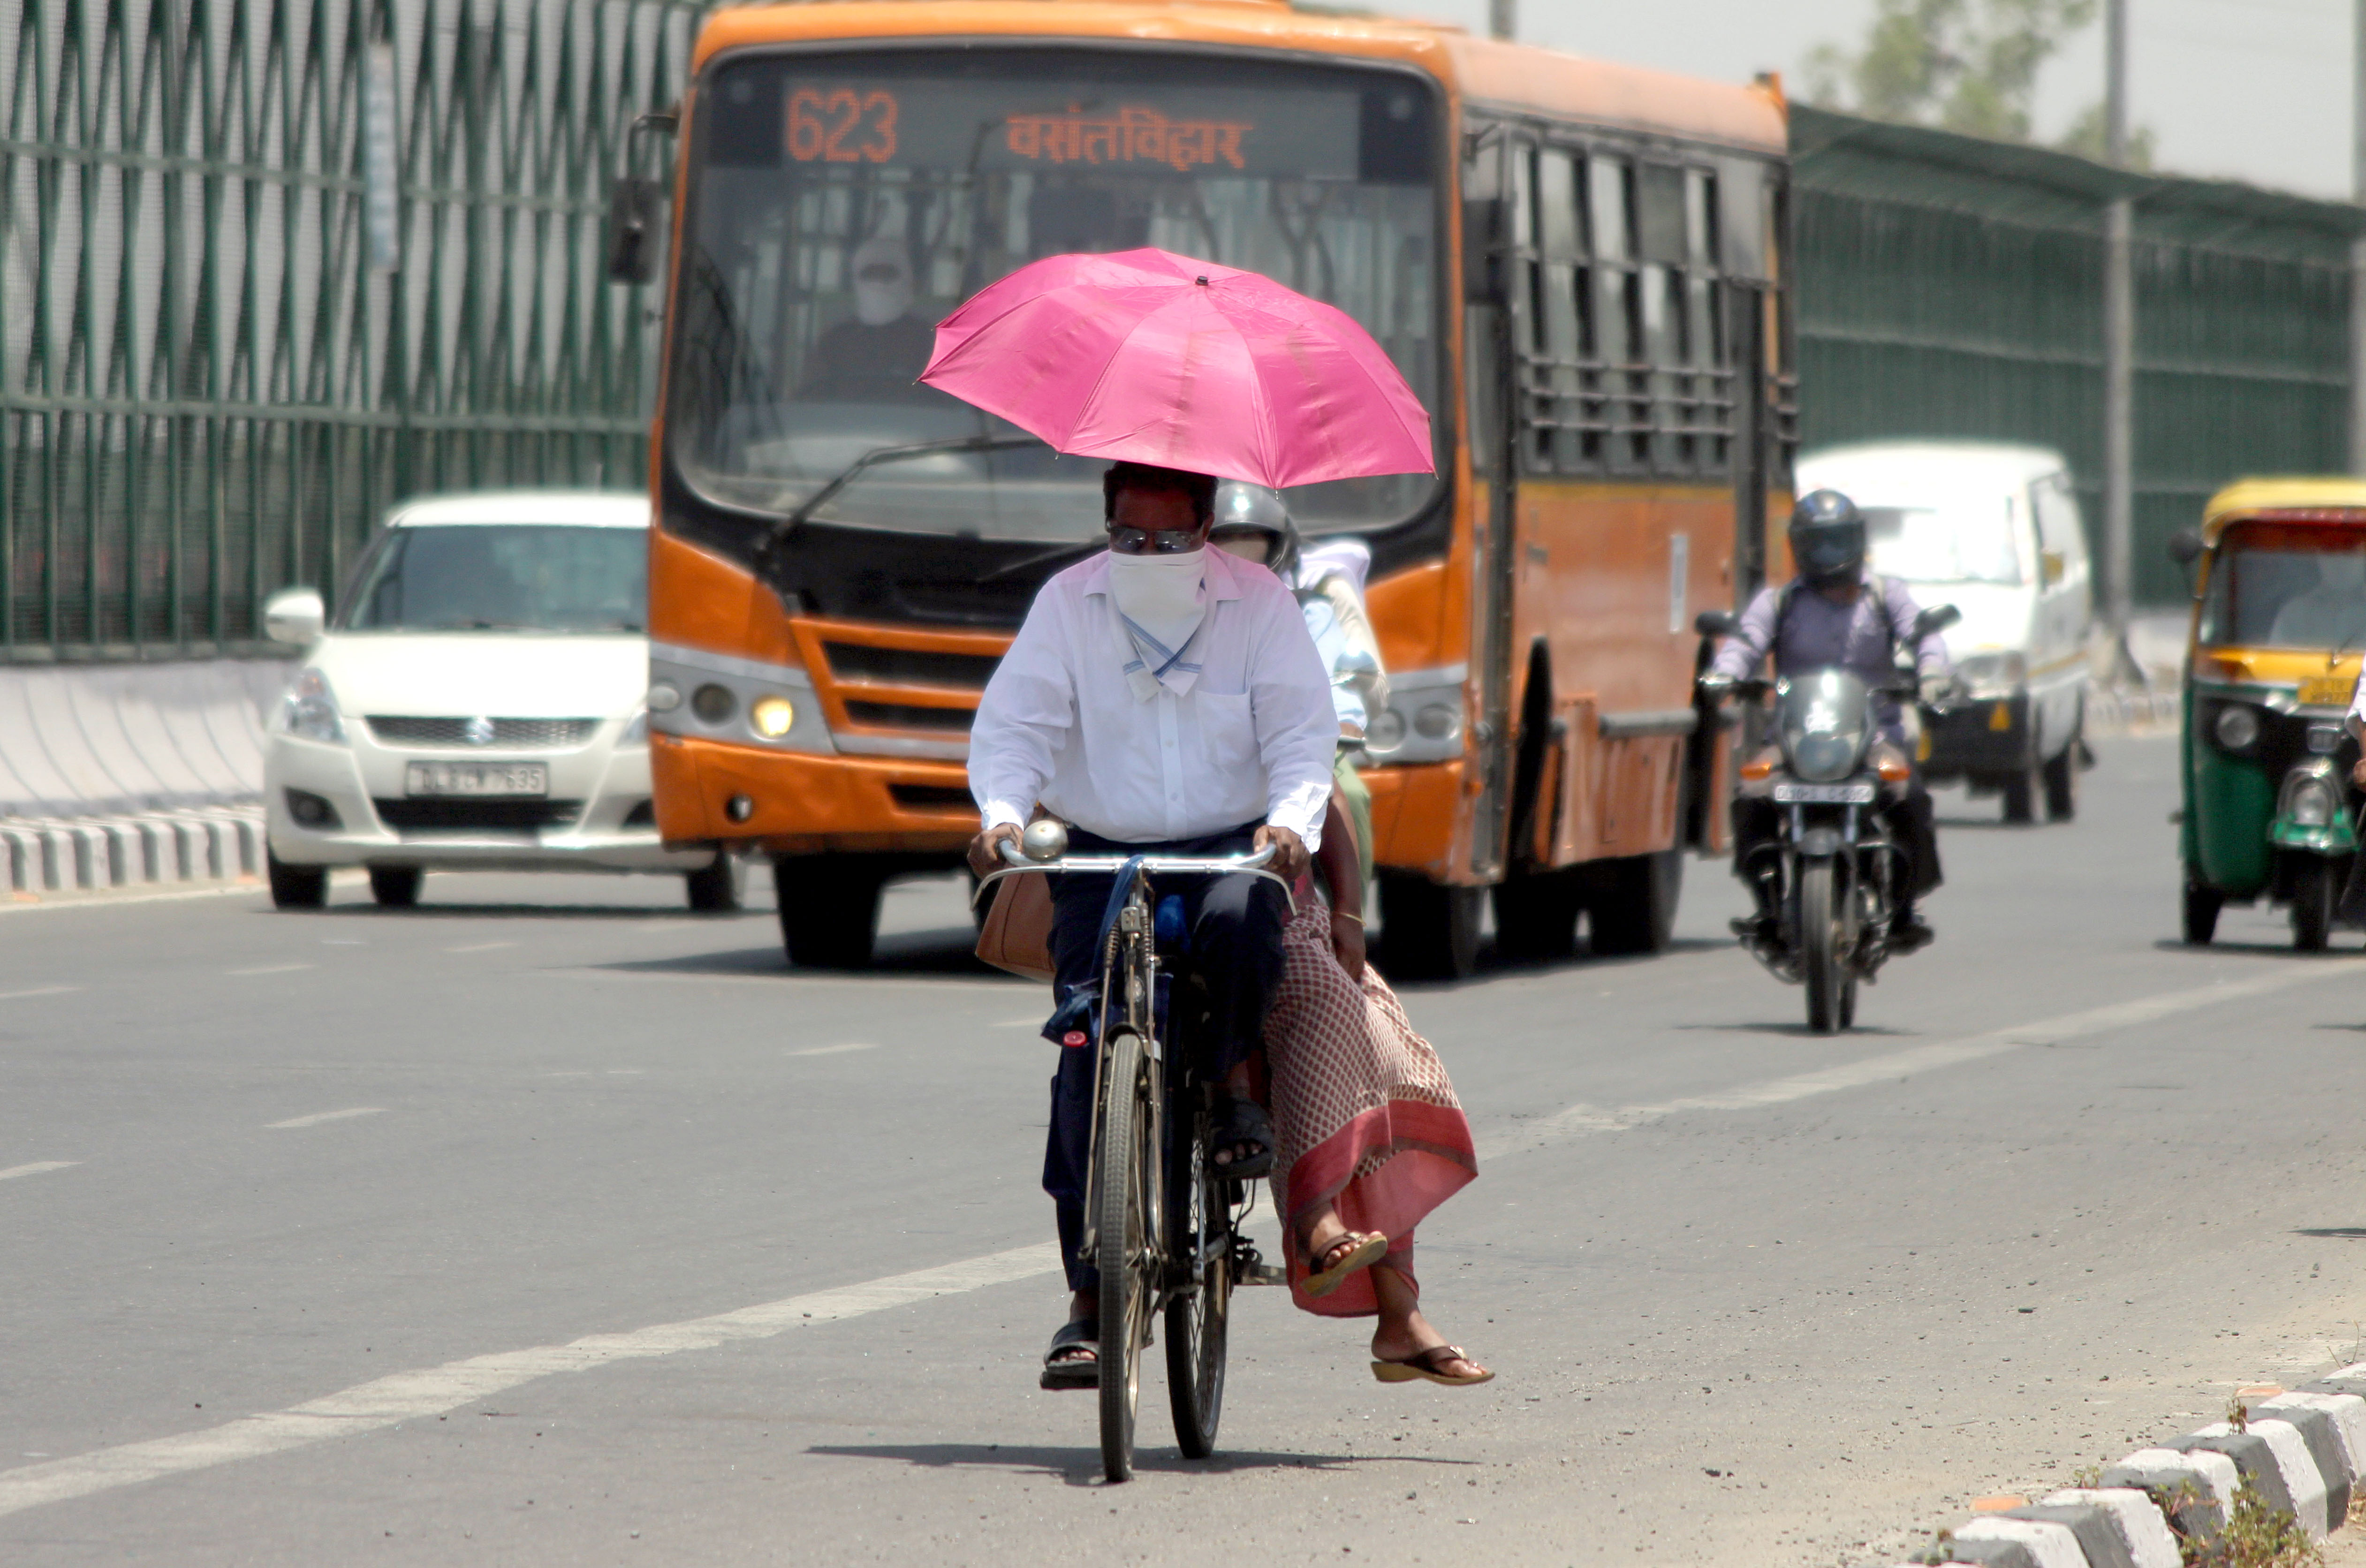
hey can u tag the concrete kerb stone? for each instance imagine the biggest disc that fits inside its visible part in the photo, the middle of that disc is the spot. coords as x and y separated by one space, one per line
41 856
2303 1451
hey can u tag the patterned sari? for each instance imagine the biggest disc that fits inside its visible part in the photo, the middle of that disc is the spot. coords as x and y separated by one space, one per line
1366 1116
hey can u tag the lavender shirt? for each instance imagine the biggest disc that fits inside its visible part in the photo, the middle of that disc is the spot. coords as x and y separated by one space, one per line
1818 633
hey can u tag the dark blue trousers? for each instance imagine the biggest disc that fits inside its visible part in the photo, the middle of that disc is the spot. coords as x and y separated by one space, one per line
1235 925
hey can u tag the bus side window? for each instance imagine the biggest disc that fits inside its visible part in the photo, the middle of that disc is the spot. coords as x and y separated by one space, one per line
1558 448
1618 313
1488 264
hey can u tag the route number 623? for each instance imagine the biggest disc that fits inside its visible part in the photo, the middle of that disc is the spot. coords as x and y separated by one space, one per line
838 125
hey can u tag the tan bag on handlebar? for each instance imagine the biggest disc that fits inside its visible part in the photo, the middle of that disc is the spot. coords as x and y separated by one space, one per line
1017 936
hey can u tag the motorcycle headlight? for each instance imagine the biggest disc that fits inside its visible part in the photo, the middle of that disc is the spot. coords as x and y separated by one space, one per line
1821 757
310 709
2237 726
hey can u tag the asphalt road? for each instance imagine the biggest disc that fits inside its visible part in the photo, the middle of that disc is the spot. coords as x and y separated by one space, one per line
305 1219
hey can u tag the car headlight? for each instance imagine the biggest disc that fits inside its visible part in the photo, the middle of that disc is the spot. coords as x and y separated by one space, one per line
310 709
1991 675
637 731
2237 726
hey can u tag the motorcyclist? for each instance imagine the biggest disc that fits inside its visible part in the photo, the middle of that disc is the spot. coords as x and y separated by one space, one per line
1836 614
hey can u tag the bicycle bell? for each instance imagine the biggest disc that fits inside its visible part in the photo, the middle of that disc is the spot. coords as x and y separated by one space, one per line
1046 839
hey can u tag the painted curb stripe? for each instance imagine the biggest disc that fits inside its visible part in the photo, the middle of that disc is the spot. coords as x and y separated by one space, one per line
2042 1544
2150 1540
2091 1529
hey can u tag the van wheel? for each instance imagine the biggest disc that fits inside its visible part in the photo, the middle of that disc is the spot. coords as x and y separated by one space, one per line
396 887
1634 907
1431 933
1536 914
2061 783
2201 906
295 886
830 910
717 888
2020 790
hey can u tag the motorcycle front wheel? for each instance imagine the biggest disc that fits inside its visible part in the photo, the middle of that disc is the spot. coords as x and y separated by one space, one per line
1822 964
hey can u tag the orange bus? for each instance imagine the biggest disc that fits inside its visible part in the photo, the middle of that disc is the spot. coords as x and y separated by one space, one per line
1578 265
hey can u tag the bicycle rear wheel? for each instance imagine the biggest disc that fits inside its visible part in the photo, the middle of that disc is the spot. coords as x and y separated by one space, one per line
1123 1244
1198 1240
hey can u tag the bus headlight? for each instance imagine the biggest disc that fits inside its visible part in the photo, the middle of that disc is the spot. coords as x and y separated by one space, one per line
1385 733
772 716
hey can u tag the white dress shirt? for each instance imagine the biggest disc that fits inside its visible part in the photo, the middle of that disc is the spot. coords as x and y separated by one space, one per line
1251 738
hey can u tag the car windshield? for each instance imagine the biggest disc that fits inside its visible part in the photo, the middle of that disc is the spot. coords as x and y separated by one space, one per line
505 577
844 205
1972 540
2286 586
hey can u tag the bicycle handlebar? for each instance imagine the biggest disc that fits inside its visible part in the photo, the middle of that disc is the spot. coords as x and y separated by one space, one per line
1253 864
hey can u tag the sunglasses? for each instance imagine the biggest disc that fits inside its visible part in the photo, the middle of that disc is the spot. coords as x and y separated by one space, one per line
1153 541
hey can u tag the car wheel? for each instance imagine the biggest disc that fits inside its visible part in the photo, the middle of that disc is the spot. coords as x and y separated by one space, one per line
295 886
396 887
717 888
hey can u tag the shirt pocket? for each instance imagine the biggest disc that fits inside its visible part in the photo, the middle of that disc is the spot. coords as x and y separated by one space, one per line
1227 730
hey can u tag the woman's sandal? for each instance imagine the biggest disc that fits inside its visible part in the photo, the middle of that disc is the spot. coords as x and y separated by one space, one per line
1430 1364
1364 1248
1064 1372
1242 1121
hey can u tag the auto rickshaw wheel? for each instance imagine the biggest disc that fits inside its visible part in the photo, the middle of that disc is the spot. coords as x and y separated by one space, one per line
2062 784
2313 891
2022 788
2203 903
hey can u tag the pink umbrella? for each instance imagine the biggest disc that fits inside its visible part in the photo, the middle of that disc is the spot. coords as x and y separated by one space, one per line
1153 358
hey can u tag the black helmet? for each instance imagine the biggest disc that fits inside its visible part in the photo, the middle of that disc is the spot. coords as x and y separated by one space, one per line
1244 508
1828 537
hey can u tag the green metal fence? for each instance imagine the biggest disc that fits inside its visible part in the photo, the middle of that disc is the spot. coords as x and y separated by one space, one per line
1953 288
211 381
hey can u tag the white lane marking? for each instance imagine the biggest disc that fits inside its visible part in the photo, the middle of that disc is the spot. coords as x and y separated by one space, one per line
480 947
36 1169
437 1390
271 969
38 991
1578 1120
829 1050
935 983
319 1116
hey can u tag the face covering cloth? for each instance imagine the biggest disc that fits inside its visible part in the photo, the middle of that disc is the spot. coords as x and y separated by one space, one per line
883 282
1160 601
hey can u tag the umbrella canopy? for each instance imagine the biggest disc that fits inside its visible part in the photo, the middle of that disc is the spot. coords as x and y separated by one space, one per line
1152 358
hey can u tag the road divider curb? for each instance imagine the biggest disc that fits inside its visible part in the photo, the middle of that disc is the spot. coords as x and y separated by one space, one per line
46 857
2301 1452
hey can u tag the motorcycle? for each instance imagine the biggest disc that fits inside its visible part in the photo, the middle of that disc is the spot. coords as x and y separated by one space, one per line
1835 871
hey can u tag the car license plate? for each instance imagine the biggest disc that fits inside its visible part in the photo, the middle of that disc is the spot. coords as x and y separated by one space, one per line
1858 794
2327 691
512 779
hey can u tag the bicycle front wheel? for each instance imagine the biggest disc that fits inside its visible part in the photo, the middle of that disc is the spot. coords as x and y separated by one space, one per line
1199 1238
1124 1250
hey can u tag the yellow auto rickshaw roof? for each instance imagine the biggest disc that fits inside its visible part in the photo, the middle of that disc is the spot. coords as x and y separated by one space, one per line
2332 494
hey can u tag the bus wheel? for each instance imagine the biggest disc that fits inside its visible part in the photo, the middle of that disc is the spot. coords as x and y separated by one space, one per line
1536 914
1634 907
1429 933
830 910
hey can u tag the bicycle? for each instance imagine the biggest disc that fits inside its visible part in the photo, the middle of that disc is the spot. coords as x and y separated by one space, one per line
1162 1224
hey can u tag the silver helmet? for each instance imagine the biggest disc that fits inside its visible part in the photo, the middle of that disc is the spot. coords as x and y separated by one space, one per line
1245 509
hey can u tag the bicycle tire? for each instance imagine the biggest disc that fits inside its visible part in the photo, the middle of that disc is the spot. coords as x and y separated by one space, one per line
1124 1240
1198 1214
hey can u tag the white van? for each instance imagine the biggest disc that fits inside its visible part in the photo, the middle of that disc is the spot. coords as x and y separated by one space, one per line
1994 531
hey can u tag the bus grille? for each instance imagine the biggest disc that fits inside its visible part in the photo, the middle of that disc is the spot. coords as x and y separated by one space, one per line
909 665
909 715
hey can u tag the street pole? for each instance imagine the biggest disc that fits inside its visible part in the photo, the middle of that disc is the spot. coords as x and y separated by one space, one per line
1503 18
2357 247
2119 342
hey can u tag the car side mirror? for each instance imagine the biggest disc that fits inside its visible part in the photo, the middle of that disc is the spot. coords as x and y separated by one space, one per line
1717 622
295 615
1937 618
2185 546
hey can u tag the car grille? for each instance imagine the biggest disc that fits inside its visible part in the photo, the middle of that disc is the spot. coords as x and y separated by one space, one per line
909 715
464 816
516 734
909 665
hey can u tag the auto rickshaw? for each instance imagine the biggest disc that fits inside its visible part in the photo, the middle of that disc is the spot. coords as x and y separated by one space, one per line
2272 663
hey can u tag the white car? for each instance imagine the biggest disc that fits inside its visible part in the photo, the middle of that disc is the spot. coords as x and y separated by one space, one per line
477 705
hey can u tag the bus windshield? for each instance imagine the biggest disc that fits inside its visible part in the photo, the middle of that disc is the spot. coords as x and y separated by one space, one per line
842 205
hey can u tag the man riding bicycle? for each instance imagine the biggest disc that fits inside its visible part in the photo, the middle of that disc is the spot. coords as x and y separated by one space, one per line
1160 697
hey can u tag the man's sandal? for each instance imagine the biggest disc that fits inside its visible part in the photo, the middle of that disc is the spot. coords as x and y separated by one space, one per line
1430 1364
1242 1121
1347 1252
1063 1371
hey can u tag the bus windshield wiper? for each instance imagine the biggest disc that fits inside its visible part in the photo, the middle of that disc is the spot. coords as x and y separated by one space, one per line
786 525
